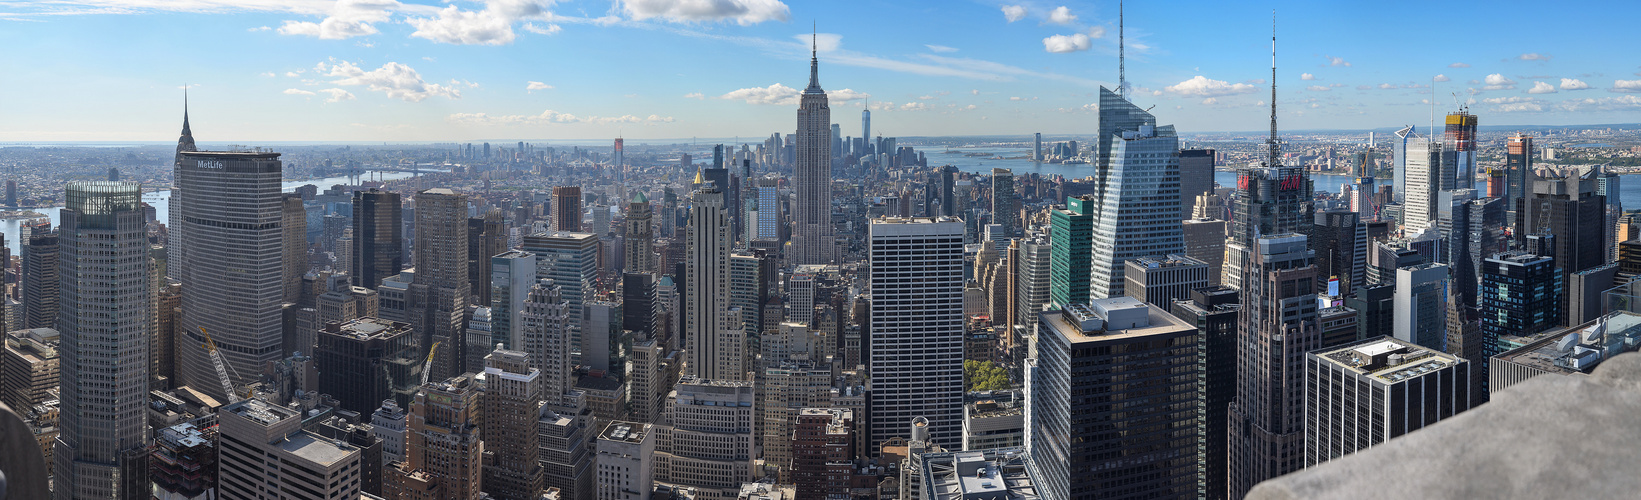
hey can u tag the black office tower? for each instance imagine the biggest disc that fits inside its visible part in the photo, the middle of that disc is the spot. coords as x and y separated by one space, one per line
378 237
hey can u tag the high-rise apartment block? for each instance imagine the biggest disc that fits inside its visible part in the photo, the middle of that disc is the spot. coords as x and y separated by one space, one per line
916 355
1362 394
823 452
104 325
1518 172
1084 354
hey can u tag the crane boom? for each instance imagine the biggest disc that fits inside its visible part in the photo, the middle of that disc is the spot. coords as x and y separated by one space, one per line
427 366
222 368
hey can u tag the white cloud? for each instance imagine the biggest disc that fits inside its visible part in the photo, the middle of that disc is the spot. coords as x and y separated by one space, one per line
1210 101
743 12
1573 84
1317 88
534 85
266 74
1017 98
551 29
1534 56
1515 104
345 19
464 27
1626 86
1498 81
914 106
258 28
396 80
881 105
1441 78
845 95
822 42
1337 61
550 117
1618 103
974 92
927 98
1542 88
1387 86
773 94
294 74
1014 12
1205 87
1458 65
940 48
337 95
1307 76
297 92
1099 32
695 95
1060 44
1061 15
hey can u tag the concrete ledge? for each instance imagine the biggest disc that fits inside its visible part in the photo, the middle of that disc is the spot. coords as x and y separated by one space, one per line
1549 437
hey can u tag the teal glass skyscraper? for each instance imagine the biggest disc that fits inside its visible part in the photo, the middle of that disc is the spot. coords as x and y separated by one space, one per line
1071 237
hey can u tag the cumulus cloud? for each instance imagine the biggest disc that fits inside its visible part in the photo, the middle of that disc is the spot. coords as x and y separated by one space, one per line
464 27
1441 78
1386 86
1458 65
782 95
1573 84
742 12
396 80
258 28
695 95
1534 56
297 92
1626 86
534 85
1337 61
1099 32
1307 76
1014 12
1498 81
1542 88
345 19
337 95
1515 104
1210 101
940 48
266 74
1317 88
914 106
1205 87
1618 103
551 29
845 95
1061 15
1060 44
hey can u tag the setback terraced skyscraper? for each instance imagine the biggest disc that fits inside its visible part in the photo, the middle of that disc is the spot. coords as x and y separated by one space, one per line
812 240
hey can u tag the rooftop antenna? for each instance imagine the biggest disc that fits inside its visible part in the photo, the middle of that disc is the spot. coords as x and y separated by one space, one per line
1274 146
1122 62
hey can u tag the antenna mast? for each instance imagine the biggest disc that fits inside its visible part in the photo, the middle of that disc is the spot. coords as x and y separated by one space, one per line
1122 62
1274 146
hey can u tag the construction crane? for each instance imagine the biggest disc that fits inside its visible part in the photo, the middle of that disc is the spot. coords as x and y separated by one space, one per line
222 368
427 367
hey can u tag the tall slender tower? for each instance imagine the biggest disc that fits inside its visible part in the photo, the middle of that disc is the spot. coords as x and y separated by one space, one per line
1275 269
1137 213
104 353
228 210
441 274
173 244
707 296
640 240
812 241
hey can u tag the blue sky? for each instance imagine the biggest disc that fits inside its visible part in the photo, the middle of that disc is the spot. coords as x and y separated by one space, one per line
425 70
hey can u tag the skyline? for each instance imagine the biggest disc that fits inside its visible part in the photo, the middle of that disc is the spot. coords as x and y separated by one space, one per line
371 71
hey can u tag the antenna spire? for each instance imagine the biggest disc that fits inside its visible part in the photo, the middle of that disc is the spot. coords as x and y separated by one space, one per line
814 62
1122 62
1274 146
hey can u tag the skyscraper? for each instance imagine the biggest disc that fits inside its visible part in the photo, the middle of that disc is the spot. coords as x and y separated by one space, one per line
512 395
1037 146
1370 391
228 211
567 208
39 247
544 335
101 451
255 432
1421 313
366 361
443 452
1425 178
916 355
486 238
1277 326
378 236
1196 178
1568 208
293 225
1459 144
640 237
1071 232
812 240
712 356
511 275
1213 311
441 282
1159 280
1139 201
1518 169
1520 295
571 261
173 244
1005 209
1085 356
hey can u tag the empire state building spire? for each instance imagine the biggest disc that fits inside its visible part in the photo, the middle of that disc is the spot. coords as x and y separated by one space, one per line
814 65
186 141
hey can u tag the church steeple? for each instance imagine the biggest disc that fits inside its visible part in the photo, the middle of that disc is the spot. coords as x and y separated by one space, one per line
186 141
814 65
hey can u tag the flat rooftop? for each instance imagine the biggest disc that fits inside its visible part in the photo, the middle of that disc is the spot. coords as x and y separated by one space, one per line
1542 351
1389 360
325 452
625 432
262 412
1161 323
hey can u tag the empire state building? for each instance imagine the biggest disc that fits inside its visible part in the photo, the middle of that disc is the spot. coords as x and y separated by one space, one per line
812 240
